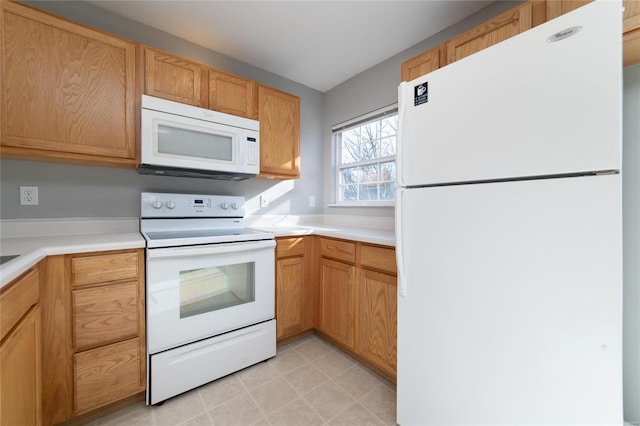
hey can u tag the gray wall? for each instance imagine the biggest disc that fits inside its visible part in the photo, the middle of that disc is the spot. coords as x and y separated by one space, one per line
81 191
631 248
377 87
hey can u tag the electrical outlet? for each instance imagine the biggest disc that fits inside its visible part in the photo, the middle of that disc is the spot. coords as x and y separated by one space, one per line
312 201
264 201
28 195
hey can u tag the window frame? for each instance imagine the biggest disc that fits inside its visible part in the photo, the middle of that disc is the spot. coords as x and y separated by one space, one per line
337 165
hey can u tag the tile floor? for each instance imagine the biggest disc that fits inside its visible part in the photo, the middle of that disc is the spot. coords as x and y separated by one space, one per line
309 382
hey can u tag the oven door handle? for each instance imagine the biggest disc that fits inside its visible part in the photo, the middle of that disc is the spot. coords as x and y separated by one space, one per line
205 250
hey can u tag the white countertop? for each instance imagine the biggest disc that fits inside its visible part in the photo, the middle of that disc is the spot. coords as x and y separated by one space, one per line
366 229
33 240
365 235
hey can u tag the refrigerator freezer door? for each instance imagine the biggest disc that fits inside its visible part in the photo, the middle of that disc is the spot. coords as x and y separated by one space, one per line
512 313
524 107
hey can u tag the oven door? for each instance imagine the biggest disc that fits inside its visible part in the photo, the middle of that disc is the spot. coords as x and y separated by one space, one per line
197 292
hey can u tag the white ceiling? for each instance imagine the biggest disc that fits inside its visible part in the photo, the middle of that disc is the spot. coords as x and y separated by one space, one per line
316 43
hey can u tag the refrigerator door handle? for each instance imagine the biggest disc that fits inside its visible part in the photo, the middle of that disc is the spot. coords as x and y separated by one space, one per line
402 108
402 282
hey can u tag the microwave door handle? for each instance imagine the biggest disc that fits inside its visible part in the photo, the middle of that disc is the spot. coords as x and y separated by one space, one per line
212 249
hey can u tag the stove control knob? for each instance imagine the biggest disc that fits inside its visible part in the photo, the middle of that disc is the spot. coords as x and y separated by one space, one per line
235 206
156 203
224 205
171 204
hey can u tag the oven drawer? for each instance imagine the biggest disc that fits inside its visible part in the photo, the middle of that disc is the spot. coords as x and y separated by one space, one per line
181 369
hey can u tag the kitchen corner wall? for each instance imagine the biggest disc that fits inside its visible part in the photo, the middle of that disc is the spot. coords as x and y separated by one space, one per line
82 191
377 87
631 242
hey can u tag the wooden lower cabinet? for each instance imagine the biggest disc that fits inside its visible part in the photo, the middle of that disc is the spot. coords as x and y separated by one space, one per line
290 296
377 323
294 286
93 332
20 352
357 300
337 301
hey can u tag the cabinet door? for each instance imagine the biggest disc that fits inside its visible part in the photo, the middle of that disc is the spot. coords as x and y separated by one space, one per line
20 397
378 319
630 26
68 92
290 296
233 95
424 63
491 32
173 78
631 36
337 300
560 7
279 115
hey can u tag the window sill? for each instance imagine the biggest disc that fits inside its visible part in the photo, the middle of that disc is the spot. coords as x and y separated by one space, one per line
365 204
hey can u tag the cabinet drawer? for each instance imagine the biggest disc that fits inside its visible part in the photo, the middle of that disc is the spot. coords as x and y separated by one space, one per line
103 268
106 374
290 247
379 258
17 298
105 314
336 249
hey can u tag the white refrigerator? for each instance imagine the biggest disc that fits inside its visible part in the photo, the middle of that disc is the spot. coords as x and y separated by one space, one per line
508 225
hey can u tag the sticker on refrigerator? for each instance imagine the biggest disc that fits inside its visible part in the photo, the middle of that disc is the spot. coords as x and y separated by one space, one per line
421 94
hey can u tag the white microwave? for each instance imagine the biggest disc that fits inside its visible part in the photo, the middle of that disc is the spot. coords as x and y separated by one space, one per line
183 140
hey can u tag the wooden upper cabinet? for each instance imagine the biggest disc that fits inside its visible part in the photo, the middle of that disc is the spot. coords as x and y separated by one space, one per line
424 63
173 78
631 33
279 115
491 32
630 24
556 8
233 95
67 91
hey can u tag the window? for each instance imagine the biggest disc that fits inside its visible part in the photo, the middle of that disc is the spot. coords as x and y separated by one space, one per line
365 159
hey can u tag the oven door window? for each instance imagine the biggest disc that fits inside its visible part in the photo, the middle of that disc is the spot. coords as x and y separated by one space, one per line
210 289
187 141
